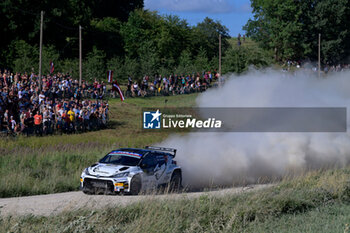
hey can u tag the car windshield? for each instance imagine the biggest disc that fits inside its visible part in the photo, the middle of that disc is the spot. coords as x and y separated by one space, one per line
122 158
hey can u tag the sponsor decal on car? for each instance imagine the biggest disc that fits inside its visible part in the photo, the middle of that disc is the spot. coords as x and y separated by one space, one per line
126 153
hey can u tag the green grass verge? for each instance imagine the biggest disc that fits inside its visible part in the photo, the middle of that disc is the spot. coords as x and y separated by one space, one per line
316 202
41 165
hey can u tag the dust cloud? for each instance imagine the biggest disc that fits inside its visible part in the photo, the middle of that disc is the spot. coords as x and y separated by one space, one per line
221 159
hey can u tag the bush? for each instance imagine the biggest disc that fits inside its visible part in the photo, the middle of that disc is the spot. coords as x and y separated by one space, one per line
238 58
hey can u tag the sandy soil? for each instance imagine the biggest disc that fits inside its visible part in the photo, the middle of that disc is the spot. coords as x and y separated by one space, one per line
52 204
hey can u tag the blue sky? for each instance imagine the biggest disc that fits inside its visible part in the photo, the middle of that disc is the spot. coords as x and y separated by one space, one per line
231 13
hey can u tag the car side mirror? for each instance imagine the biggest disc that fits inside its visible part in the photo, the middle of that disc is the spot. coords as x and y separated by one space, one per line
144 166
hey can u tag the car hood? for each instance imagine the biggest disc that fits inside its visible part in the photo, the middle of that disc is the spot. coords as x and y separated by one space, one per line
108 169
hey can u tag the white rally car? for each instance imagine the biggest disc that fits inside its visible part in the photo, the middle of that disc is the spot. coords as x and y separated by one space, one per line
129 170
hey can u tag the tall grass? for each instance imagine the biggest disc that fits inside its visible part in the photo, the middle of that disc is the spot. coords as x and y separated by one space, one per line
303 200
41 165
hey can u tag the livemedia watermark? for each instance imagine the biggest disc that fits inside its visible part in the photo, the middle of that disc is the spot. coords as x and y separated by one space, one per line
245 119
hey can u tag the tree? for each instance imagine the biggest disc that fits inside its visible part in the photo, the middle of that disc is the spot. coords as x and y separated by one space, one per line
201 61
21 21
331 19
107 36
141 26
207 32
291 28
25 57
132 68
50 54
238 58
185 63
276 26
94 66
149 60
139 41
123 68
70 66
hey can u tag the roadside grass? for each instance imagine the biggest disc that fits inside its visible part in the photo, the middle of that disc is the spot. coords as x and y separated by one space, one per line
50 164
319 201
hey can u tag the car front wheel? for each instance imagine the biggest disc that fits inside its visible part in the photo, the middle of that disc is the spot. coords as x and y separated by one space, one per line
135 185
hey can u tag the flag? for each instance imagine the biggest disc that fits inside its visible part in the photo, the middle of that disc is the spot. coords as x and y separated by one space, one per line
110 76
52 67
115 87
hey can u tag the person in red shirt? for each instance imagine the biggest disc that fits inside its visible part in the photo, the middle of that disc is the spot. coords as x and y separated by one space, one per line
38 119
66 119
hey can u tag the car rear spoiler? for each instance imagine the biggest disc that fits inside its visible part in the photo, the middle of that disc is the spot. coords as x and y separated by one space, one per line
162 149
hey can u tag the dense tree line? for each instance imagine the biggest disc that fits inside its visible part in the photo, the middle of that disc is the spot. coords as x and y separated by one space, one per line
20 20
122 36
291 28
117 35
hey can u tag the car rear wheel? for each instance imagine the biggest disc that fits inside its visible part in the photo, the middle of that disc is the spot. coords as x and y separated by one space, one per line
175 182
135 185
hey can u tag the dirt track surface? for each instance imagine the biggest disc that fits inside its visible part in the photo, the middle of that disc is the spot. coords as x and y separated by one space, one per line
52 204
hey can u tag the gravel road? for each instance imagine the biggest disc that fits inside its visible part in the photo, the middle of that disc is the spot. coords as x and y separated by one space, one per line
52 204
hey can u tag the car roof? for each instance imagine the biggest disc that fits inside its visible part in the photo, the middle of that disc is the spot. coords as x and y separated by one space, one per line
141 151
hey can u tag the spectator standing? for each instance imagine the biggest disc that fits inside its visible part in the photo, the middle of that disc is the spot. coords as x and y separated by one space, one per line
71 116
38 124
13 124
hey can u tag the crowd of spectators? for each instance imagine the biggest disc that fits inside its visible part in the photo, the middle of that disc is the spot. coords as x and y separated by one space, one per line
58 105
170 85
312 67
336 68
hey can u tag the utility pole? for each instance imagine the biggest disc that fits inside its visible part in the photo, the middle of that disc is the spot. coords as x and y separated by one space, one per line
219 55
80 58
41 46
319 55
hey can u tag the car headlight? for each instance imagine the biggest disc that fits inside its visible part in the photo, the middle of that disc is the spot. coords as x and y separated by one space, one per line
119 175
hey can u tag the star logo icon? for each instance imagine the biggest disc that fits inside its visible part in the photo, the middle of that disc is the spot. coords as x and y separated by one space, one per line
151 120
156 115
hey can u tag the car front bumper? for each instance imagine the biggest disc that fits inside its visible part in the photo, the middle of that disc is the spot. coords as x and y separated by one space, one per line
106 184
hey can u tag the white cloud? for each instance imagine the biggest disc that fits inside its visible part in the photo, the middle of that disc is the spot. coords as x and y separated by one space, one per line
203 6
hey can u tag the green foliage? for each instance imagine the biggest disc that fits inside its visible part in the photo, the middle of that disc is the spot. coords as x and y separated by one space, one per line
331 19
70 66
123 68
277 26
131 67
50 54
173 38
238 58
208 33
235 61
315 202
214 64
94 66
201 61
25 59
185 63
164 45
127 39
40 165
109 39
149 58
117 65
141 26
21 21
291 28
